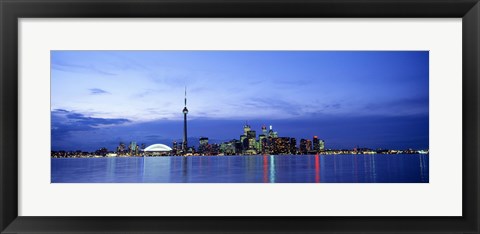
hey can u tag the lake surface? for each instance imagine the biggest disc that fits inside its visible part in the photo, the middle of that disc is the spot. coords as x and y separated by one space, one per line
399 168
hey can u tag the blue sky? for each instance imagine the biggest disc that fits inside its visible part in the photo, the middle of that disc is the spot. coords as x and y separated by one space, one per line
376 99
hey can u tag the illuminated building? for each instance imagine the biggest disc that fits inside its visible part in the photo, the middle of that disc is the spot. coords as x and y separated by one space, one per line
101 152
280 145
271 133
157 149
305 146
244 141
238 146
203 141
132 147
316 144
252 144
227 148
174 148
262 142
252 134
121 148
293 145
203 147
246 129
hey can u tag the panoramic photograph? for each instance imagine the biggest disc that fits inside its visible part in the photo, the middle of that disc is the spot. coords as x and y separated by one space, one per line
239 116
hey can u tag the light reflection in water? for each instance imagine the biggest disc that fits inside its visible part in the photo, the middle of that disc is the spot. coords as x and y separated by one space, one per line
272 169
244 169
265 169
317 169
185 169
335 167
356 167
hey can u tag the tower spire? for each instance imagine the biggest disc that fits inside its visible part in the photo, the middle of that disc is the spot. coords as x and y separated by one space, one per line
185 112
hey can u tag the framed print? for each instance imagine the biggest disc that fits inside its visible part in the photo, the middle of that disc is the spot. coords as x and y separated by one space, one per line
257 116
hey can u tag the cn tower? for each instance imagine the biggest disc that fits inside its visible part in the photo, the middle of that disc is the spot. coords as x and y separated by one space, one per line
185 112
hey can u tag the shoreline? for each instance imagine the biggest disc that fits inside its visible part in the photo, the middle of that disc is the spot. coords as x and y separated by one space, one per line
255 155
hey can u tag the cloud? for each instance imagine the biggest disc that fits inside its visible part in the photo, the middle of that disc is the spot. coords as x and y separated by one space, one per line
65 122
401 107
69 67
98 91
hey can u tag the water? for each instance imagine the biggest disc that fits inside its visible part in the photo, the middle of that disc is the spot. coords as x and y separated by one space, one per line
244 169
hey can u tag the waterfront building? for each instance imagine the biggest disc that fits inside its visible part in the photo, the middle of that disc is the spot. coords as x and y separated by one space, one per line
174 146
215 148
322 145
309 145
203 141
262 142
252 144
316 144
293 145
203 147
238 146
281 145
121 149
157 150
244 143
242 138
101 152
305 146
132 147
227 148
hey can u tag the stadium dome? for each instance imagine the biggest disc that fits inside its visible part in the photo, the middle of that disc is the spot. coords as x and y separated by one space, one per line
157 148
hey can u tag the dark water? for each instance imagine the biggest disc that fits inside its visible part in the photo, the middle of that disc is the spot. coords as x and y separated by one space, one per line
244 169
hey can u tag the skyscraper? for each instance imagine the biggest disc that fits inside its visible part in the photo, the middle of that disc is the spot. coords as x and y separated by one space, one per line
293 145
246 129
305 146
185 112
316 144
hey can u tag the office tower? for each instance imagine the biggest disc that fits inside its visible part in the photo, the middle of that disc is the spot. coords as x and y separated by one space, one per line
132 147
242 140
281 145
271 133
316 144
246 129
262 141
293 145
309 145
303 146
251 134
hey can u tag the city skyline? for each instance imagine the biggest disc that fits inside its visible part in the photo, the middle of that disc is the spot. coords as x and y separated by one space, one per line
370 99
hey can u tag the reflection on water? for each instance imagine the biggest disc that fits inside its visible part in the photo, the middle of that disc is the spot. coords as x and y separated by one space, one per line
244 169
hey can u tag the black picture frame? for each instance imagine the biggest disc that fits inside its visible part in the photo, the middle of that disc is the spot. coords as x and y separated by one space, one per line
12 10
